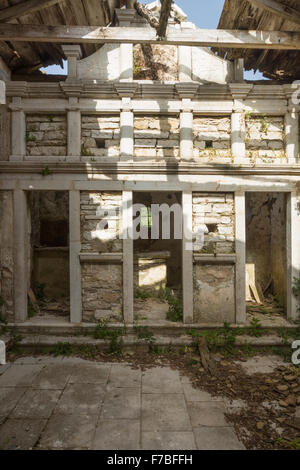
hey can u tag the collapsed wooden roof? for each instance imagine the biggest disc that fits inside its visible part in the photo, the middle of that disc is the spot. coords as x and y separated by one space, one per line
270 15
28 57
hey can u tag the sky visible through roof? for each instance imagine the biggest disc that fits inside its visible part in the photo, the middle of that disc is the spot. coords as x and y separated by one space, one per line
205 14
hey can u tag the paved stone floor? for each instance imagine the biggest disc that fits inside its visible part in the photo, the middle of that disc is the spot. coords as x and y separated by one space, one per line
69 403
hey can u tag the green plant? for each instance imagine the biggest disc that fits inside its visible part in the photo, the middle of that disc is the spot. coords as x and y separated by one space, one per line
143 332
85 152
39 290
46 171
102 331
142 294
62 349
175 312
29 137
31 311
255 328
116 345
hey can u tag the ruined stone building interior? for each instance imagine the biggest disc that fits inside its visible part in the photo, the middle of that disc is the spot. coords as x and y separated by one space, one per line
145 124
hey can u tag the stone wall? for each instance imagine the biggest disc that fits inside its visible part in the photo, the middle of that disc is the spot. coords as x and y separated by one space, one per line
265 139
6 256
212 139
46 135
100 136
102 291
214 214
156 136
214 293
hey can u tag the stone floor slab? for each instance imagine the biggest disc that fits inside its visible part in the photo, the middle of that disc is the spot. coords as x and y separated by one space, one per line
90 374
124 376
168 440
20 375
117 434
68 432
261 364
53 376
21 434
122 403
195 394
36 404
3 368
207 413
217 438
9 398
164 412
161 380
81 398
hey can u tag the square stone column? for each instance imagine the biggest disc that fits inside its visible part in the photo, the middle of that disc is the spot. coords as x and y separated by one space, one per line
186 92
126 234
72 53
126 92
125 18
292 134
239 92
74 130
18 130
187 257
240 249
293 253
75 247
21 255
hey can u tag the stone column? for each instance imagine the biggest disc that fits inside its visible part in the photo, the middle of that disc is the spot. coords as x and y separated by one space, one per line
186 92
18 130
74 130
239 92
292 134
240 249
72 53
238 67
125 18
293 253
75 247
126 91
127 215
21 251
187 257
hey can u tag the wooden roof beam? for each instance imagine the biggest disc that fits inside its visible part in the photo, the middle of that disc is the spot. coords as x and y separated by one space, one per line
188 37
277 8
25 8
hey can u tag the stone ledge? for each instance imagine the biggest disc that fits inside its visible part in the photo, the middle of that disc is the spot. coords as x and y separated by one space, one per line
214 259
101 258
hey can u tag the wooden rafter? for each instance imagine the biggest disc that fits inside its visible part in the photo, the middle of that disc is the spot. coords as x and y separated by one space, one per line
166 6
25 8
279 9
104 35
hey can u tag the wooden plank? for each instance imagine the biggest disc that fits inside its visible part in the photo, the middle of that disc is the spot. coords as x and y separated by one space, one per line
25 8
200 37
277 8
165 11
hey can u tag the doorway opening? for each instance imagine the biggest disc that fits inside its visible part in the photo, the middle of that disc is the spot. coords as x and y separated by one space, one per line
266 257
158 259
49 293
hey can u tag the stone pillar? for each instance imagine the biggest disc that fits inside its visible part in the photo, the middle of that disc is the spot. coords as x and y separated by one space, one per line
74 130
21 251
293 254
292 134
75 247
185 63
239 92
240 249
72 53
186 131
126 130
125 18
127 216
238 67
187 257
18 130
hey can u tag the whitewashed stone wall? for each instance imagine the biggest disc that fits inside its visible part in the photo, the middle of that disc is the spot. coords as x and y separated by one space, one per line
156 137
46 135
212 139
100 136
102 296
6 256
214 213
265 139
